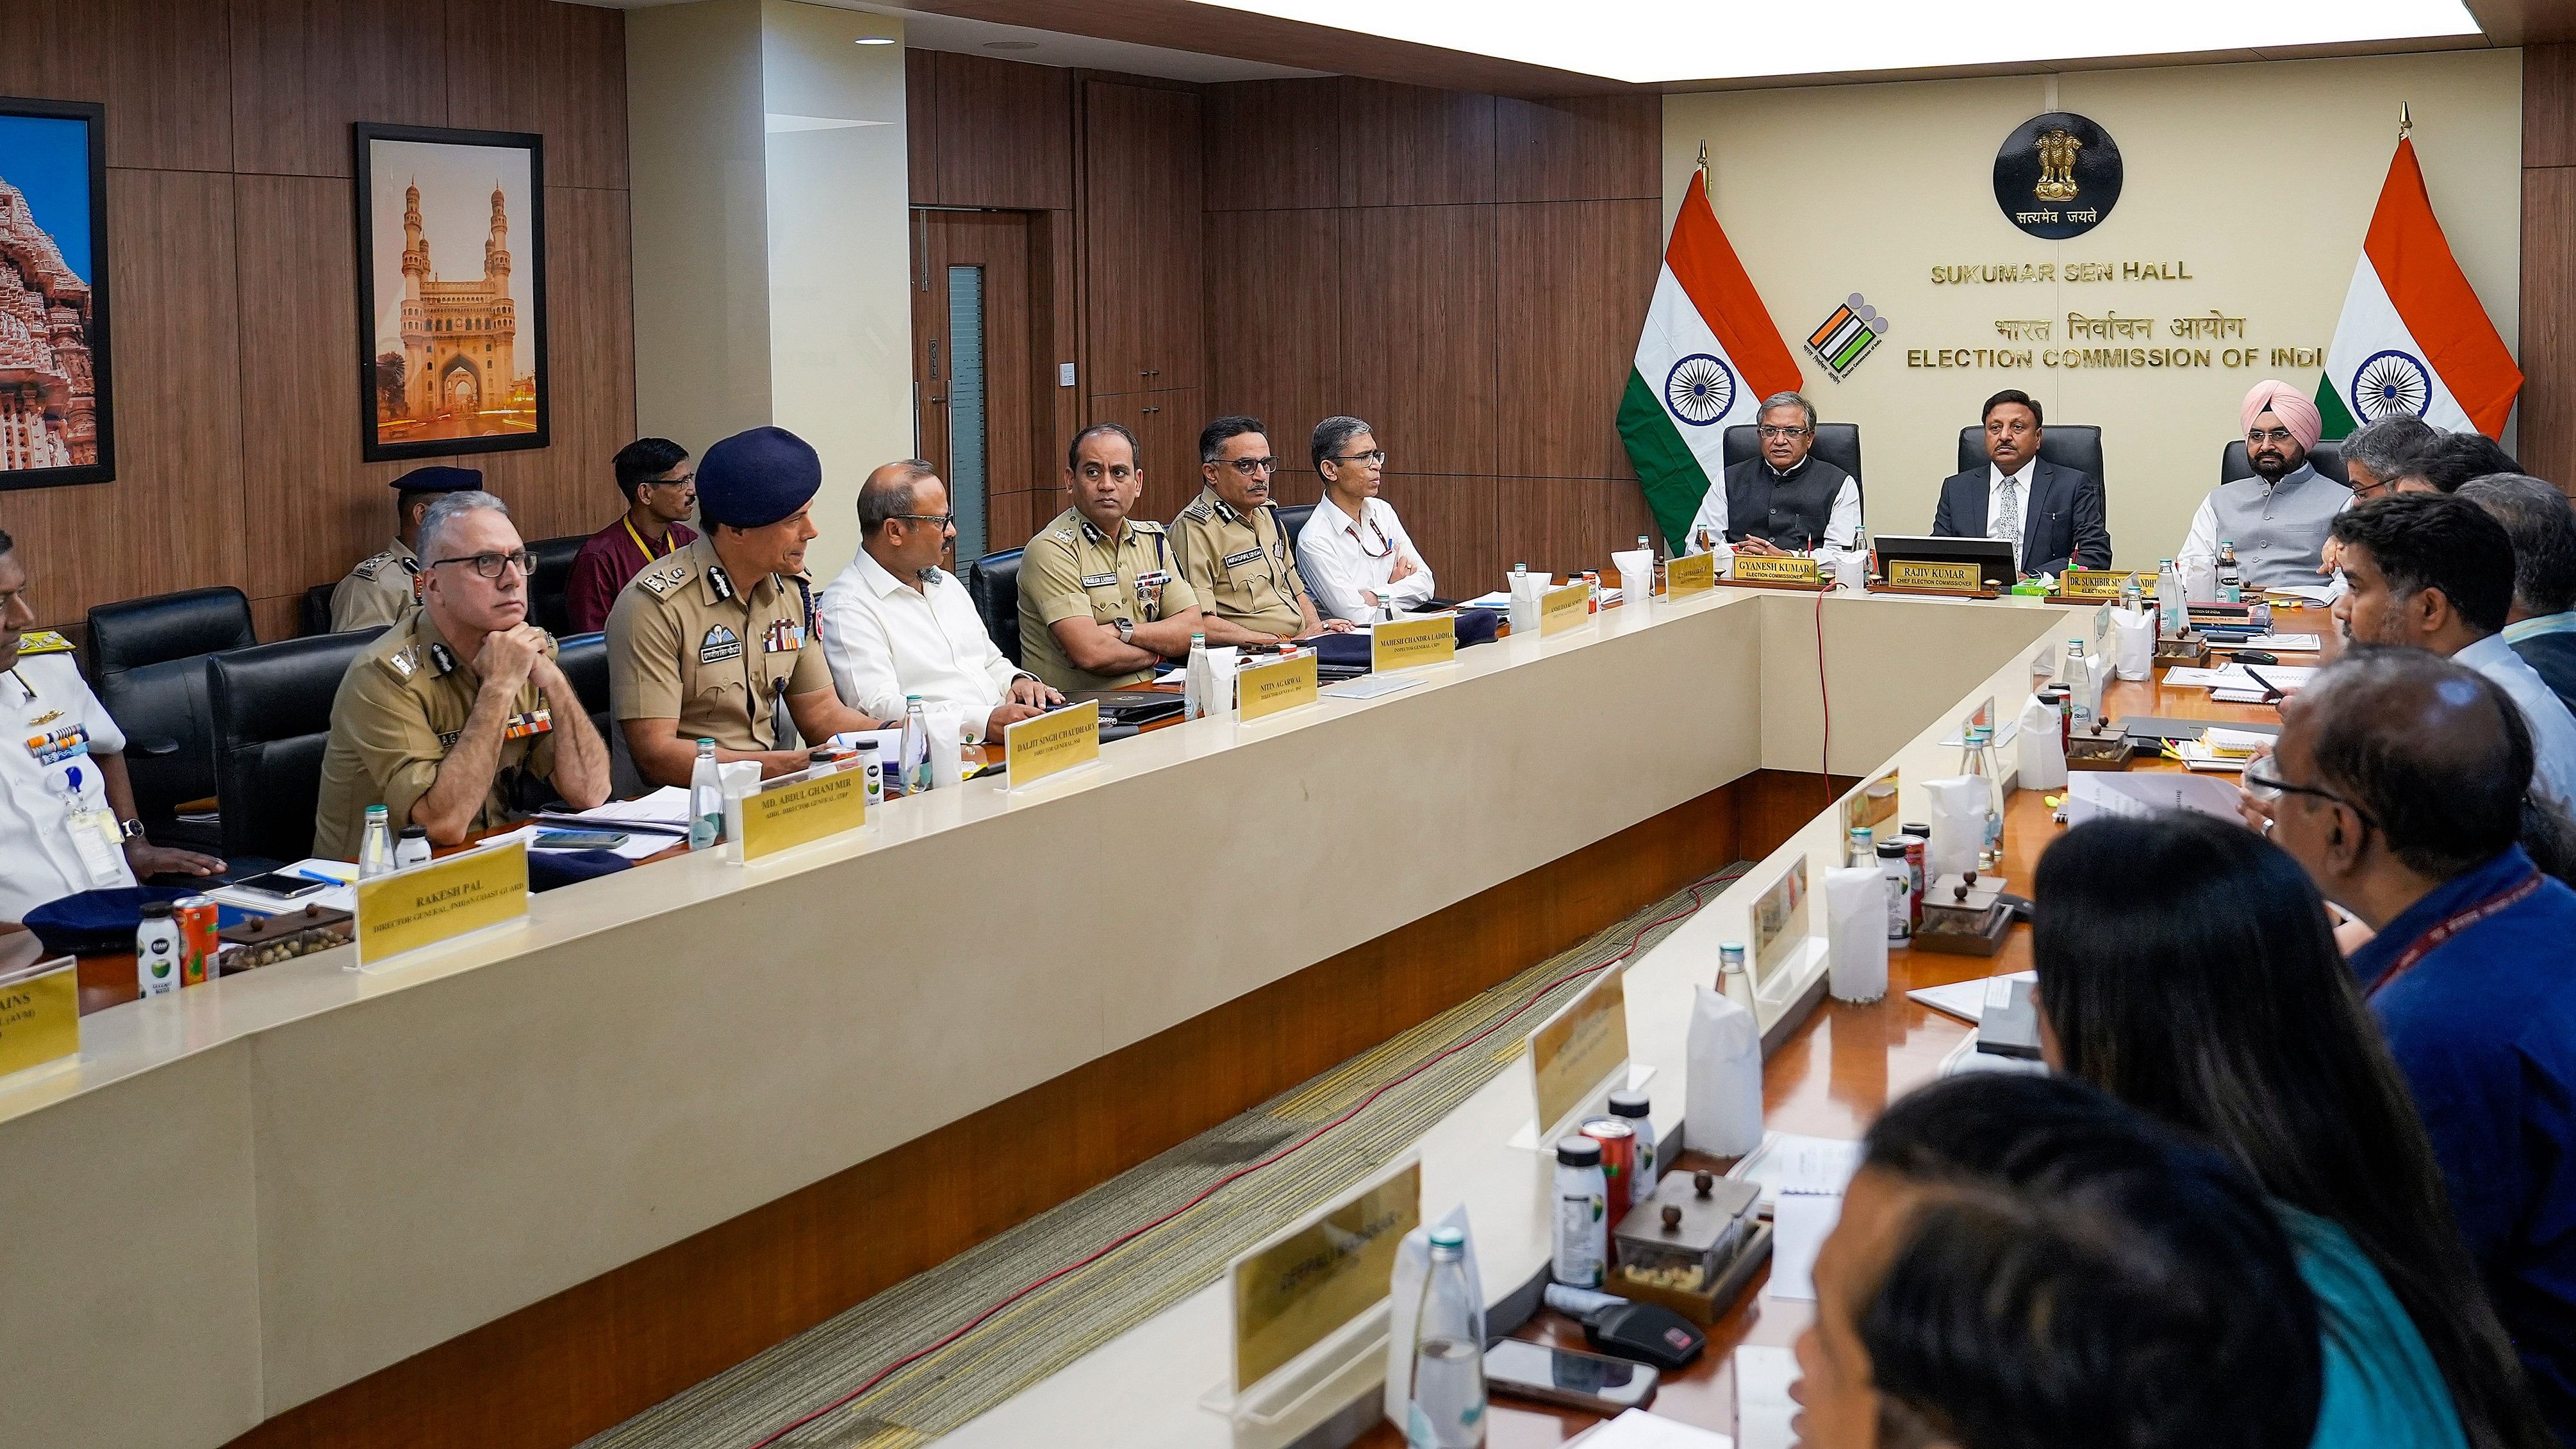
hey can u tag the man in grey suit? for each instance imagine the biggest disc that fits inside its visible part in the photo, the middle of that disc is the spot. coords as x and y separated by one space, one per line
2053 515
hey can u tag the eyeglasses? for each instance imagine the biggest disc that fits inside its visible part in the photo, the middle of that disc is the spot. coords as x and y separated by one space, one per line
944 521
685 480
1769 431
2255 437
1252 467
2263 785
1374 455
489 565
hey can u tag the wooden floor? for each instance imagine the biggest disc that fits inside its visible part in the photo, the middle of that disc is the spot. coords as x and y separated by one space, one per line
563 1369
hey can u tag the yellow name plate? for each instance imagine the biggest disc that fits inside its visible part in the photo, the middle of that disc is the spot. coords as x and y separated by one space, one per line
1053 743
1696 574
1562 609
1762 568
431 903
1266 689
40 1016
1412 643
1949 578
1579 1048
1291 1295
2093 583
799 812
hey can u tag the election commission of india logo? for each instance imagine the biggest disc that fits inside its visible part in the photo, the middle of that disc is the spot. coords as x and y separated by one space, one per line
1699 389
2057 175
2391 384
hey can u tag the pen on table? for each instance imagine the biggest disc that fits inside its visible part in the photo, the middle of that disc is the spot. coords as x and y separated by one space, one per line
2270 690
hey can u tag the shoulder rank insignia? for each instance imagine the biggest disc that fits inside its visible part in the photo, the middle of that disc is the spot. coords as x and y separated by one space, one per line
1199 507
403 662
43 641
661 581
1143 525
369 568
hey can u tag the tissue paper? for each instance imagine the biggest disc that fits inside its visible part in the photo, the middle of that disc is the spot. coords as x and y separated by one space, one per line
1722 1083
2133 642
1636 568
2042 746
1959 807
1856 930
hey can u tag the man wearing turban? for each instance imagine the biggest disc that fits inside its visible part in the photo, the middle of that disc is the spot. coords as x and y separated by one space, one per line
2278 518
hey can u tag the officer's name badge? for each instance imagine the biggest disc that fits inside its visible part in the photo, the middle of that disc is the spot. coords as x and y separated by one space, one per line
720 645
1099 581
534 722
1248 556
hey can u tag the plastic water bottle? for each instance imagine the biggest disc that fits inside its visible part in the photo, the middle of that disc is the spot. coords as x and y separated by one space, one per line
2172 613
2130 599
1445 1407
916 747
1195 681
706 799
376 847
2078 679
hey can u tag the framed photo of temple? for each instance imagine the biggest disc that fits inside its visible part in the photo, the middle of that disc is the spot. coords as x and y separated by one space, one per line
55 422
452 346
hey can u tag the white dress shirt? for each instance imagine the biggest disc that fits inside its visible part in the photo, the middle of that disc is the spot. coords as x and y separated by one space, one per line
885 639
2553 729
44 698
1341 555
1995 476
1842 525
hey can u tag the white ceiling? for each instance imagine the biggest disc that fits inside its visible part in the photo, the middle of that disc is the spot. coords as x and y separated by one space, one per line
925 31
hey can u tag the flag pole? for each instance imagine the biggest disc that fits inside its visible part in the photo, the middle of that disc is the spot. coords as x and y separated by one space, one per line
2405 125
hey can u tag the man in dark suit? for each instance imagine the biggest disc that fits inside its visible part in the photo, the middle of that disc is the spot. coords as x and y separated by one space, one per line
2054 514
2542 624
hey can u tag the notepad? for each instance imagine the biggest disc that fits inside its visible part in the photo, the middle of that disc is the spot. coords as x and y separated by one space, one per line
1963 999
1637 1429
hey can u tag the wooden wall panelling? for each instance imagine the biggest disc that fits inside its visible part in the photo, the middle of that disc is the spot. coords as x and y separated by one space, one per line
2548 107
1274 310
1567 524
1054 300
568 486
1572 281
1413 146
2546 440
587 1358
168 100
1005 134
1583 148
303 70
1119 247
1454 522
1166 425
1418 357
1276 144
548 67
57 50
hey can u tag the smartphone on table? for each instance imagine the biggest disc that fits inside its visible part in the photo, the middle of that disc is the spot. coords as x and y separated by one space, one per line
1568 1377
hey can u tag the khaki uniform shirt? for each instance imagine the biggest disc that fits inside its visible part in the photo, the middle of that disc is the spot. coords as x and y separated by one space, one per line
379 591
1072 570
686 642
1241 568
399 710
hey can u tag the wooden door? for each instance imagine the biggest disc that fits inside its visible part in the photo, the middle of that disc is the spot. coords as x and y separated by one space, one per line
1142 249
1166 425
974 371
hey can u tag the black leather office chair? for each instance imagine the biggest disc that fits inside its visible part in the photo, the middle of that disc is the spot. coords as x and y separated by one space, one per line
584 660
147 662
2068 445
1292 522
548 609
313 611
1836 443
993 582
2327 456
272 711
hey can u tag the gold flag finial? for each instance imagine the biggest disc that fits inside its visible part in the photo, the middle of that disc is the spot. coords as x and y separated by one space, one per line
1703 154
2405 120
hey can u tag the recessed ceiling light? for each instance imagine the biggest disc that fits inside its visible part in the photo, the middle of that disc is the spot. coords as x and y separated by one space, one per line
876 40
1010 45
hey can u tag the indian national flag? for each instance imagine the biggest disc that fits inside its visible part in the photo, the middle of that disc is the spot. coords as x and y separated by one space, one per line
2413 339
1707 358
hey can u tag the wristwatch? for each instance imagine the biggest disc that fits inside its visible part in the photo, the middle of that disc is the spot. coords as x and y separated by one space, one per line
130 830
1126 631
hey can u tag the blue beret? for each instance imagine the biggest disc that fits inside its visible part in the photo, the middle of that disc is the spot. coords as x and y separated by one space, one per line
440 479
95 920
754 479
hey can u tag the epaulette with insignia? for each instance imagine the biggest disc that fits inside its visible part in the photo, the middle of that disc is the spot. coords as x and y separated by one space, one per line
661 581
1198 508
369 568
403 663
43 641
1144 526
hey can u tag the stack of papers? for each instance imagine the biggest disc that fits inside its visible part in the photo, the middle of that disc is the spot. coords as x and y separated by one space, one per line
2221 749
1789 1162
667 807
1637 1429
2132 796
2277 643
1963 999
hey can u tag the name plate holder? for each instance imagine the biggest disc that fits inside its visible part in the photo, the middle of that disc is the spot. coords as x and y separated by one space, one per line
1693 574
1052 744
1563 609
1412 643
1791 958
1766 569
2093 583
1267 689
1577 1058
441 901
39 1019
792 812
1310 1313
1935 576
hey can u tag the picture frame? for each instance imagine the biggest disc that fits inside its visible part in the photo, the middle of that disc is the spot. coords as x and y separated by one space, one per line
450 367
57 421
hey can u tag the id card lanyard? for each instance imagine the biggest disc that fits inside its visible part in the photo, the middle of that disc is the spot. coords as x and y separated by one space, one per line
94 832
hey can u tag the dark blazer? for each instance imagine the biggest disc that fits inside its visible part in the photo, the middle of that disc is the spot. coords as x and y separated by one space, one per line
2062 519
2553 658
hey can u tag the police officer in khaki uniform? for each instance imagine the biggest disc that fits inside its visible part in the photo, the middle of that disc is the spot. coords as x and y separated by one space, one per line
716 641
386 586
447 719
1102 600
1238 560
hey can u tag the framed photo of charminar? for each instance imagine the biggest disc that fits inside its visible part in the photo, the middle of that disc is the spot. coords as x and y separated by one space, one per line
452 344
55 423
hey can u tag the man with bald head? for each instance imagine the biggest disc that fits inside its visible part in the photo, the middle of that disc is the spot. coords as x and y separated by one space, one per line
2400 784
2277 519
895 624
